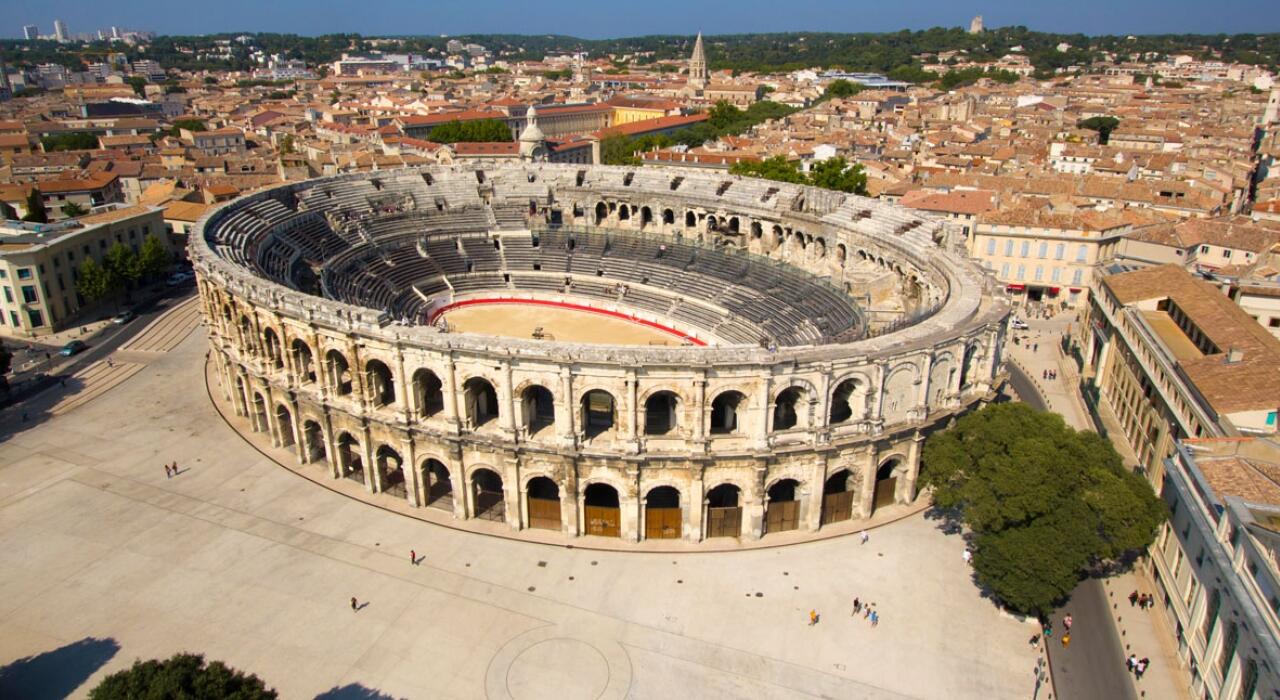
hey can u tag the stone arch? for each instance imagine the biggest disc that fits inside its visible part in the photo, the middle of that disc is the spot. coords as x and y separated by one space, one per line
733 224
668 216
941 373
303 361
842 254
727 410
246 335
663 516
339 371
850 399
599 412
542 502
437 483
838 495
788 408
539 406
428 393
723 507
390 470
313 441
489 496
382 383
900 392
272 346
481 400
888 481
258 413
350 459
624 212
690 219
602 509
757 230
602 213
969 368
646 216
284 423
661 412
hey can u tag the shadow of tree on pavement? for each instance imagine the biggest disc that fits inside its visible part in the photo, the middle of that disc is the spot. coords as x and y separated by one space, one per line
58 673
353 691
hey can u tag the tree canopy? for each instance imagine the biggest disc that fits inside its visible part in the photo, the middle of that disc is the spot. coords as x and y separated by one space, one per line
35 208
1103 125
69 141
1045 502
474 131
620 149
182 676
153 257
832 173
95 282
72 209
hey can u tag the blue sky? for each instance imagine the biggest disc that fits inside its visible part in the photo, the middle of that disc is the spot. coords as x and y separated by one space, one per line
601 18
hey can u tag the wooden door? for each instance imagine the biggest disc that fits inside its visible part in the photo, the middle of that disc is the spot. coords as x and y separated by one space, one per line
885 491
724 522
782 516
544 513
662 523
603 521
837 507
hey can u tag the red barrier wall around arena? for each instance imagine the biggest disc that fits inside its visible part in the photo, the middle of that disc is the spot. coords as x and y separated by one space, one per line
575 307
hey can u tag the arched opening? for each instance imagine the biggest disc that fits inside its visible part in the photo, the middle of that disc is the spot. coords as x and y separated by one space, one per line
271 342
489 503
597 413
837 497
439 487
842 254
733 224
339 372
724 412
968 367
757 231
260 414
624 212
668 216
313 441
724 511
662 517
601 513
304 361
350 463
886 484
712 224
428 396
786 408
646 216
690 219
660 413
602 212
848 396
539 408
382 387
542 498
284 422
481 401
390 471
246 335
783 510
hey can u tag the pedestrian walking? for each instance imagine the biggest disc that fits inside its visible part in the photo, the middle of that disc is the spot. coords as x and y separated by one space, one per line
1133 598
1141 669
354 605
857 607
413 557
1131 662
167 473
968 556
1066 622
875 618
865 537
813 617
1066 640
1034 642
866 612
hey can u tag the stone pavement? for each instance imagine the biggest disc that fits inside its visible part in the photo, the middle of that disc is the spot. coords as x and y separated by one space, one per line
103 560
1142 634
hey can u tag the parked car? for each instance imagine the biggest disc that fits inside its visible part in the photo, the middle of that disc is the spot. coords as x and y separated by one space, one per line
123 317
178 278
1018 324
75 346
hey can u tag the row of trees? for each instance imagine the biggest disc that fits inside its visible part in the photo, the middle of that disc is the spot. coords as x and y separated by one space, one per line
475 131
1046 504
832 173
69 141
121 269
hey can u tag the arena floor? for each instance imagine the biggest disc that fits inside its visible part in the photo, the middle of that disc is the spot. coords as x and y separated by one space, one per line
559 323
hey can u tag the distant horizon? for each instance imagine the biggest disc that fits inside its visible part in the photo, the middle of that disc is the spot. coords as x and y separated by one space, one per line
595 22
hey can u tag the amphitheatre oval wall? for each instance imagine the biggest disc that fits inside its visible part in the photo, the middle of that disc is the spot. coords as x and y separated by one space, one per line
821 337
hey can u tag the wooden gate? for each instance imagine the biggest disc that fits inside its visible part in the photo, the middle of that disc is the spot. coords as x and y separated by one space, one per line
837 507
603 521
724 522
662 523
885 490
491 506
782 516
544 513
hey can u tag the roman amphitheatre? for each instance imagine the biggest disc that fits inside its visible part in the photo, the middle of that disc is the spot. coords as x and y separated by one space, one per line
635 353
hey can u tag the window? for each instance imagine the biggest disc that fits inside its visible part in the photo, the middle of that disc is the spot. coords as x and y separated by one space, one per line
4 274
1211 614
1226 253
29 294
24 273
1008 248
1082 253
13 318
1044 249
1204 250
1022 271
1077 277
1273 323
1039 272
1057 274
991 246
1004 271
8 295
1059 251
35 317
1228 648
1026 249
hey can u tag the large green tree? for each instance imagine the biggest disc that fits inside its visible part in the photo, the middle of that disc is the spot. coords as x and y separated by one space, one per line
1045 503
773 168
35 208
184 676
95 281
69 141
72 209
153 257
474 131
122 261
1103 125
837 174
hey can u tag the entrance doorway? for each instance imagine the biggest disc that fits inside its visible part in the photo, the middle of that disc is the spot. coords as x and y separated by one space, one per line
837 498
662 516
389 463
602 515
886 485
487 486
349 462
439 487
783 512
724 511
543 501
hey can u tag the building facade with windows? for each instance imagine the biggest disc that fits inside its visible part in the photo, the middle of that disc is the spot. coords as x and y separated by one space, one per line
40 264
1214 564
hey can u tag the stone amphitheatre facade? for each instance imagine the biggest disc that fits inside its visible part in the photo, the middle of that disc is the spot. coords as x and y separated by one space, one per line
819 337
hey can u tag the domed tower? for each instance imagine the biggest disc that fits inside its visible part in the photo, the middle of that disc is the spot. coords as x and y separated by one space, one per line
533 143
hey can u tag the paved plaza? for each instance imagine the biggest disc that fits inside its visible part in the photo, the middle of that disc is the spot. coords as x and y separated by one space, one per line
103 560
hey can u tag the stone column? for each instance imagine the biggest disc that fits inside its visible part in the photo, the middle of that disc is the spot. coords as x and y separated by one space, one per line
812 518
866 500
412 480
754 507
458 481
372 479
450 390
564 426
694 505
511 492
907 489
404 387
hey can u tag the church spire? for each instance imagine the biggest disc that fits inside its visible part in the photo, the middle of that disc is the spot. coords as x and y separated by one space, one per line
698 65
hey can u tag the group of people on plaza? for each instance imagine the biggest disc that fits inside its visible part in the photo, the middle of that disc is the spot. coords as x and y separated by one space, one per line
1137 666
867 610
171 470
1049 374
1144 601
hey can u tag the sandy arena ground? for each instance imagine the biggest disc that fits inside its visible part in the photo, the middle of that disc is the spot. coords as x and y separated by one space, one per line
564 325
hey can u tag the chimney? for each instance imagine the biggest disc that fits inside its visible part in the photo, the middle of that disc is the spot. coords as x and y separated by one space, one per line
1234 355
